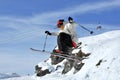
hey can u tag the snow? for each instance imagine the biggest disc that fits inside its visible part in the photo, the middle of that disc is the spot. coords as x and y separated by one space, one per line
103 47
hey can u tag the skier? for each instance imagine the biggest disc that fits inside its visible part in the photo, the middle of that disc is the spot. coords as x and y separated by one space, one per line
66 39
67 36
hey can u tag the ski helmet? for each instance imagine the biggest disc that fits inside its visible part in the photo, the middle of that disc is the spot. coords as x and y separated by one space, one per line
60 22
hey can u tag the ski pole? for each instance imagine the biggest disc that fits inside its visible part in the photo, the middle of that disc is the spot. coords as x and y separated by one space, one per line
45 43
91 32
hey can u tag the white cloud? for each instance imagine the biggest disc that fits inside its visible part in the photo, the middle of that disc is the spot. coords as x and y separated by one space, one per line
74 10
99 6
48 17
18 30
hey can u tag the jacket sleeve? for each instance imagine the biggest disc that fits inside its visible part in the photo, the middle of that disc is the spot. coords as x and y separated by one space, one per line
70 28
54 33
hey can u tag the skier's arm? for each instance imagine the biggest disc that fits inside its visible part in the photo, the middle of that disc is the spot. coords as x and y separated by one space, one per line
52 33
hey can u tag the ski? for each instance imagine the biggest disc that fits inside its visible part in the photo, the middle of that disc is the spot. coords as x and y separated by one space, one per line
37 50
57 54
69 57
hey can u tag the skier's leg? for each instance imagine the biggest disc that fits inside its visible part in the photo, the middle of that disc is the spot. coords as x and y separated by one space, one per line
64 42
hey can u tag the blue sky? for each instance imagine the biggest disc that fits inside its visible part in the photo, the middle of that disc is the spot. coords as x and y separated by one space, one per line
23 22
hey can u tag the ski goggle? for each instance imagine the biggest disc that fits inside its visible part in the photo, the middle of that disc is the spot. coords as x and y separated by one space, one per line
59 24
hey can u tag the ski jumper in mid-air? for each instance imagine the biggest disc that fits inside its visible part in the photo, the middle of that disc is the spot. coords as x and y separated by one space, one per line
67 38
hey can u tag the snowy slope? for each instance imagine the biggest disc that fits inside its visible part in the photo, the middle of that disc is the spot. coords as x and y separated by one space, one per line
104 47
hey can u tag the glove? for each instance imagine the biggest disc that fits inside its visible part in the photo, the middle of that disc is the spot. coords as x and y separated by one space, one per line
47 32
70 19
91 32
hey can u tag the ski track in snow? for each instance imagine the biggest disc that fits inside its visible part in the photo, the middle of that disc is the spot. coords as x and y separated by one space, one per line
103 47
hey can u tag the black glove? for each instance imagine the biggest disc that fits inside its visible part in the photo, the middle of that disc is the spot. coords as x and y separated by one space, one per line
91 32
47 32
70 19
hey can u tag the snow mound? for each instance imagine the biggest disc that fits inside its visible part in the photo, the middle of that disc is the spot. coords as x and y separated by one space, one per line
102 64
